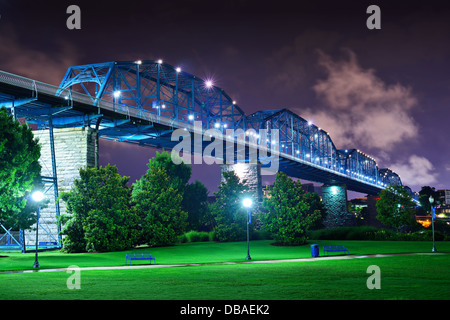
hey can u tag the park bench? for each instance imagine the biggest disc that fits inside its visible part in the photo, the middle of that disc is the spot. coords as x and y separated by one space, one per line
48 243
335 248
139 256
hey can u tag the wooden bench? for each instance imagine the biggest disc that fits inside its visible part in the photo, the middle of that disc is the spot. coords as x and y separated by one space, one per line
335 248
139 256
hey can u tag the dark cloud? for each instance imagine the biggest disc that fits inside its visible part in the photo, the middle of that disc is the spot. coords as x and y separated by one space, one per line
388 95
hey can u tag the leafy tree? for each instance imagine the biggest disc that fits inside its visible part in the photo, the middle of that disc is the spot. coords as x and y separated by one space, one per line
230 216
315 207
424 196
395 206
101 218
19 167
194 195
179 174
27 216
195 204
290 211
158 205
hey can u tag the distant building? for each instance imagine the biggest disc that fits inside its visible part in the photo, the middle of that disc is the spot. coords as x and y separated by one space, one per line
310 187
366 206
444 197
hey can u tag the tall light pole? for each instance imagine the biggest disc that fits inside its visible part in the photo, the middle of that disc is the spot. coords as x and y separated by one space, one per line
37 196
248 204
433 215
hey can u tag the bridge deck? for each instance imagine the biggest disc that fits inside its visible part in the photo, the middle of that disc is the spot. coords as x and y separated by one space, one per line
36 101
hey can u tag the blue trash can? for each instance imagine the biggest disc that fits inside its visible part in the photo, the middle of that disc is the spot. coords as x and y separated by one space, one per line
314 250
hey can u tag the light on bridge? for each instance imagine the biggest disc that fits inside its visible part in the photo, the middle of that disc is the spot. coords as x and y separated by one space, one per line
208 83
334 190
116 94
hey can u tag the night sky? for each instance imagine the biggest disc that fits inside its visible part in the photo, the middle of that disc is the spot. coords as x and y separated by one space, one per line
385 92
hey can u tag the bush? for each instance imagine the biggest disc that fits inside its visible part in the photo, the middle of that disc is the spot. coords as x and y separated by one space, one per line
196 236
261 235
372 233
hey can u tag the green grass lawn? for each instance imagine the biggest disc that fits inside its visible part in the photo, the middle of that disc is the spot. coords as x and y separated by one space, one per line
402 277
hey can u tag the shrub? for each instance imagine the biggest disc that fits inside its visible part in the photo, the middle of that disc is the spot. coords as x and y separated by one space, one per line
261 235
196 236
372 233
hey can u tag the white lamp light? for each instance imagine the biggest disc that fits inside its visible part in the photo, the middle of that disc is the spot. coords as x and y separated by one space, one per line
247 202
37 196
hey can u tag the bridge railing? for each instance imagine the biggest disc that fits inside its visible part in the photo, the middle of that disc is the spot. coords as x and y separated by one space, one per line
37 87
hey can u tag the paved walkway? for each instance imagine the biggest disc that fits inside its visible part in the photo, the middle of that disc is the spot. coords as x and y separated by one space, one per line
154 266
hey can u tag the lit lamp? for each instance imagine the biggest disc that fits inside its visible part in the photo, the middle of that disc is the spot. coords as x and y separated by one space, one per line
248 204
433 214
37 196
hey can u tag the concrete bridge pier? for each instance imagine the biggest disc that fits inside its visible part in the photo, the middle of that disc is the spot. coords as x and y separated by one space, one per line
75 148
334 198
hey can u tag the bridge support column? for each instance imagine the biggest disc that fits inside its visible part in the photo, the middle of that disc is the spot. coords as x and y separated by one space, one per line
75 148
250 173
334 198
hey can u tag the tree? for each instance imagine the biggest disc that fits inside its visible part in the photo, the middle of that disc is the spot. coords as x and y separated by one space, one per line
19 166
195 204
179 174
228 212
100 215
395 206
424 196
27 216
290 211
158 205
194 195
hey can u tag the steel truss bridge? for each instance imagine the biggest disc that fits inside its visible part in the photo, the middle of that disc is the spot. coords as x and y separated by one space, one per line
144 102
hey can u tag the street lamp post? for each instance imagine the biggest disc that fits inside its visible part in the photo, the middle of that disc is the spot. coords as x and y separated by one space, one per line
248 204
433 214
38 197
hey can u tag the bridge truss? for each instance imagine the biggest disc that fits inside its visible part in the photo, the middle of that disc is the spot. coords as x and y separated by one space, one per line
157 88
143 102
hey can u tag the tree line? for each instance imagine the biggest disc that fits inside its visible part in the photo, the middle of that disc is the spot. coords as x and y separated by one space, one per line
105 214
